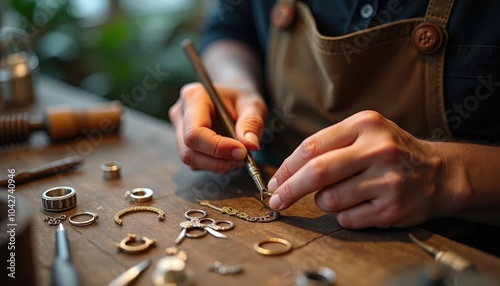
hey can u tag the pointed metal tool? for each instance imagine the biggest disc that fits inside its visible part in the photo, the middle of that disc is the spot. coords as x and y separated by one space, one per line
447 258
127 277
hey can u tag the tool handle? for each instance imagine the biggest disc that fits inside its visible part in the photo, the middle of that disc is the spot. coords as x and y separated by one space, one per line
454 261
64 273
207 83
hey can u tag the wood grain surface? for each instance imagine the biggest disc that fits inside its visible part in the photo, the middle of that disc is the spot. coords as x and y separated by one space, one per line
145 147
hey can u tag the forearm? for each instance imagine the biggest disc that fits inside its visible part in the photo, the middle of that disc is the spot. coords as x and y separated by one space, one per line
473 180
233 64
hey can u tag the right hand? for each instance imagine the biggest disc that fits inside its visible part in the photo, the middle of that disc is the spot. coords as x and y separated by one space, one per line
199 146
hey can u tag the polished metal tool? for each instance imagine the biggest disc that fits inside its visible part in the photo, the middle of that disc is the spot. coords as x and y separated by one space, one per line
63 271
250 163
127 277
448 258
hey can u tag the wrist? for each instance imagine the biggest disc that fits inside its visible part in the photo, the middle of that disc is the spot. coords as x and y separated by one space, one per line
453 189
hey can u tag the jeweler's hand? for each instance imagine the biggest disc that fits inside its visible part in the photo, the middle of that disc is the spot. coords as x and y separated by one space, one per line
367 170
199 146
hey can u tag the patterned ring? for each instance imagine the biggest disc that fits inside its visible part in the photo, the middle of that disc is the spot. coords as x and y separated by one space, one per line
59 199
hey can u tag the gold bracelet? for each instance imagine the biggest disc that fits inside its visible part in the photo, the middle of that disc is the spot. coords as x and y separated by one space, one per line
161 214
257 246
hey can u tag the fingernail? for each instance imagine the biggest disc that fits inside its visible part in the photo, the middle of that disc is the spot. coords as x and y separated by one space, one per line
272 185
252 137
238 154
275 202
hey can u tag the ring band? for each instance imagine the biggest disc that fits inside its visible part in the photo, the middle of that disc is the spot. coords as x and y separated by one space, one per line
59 199
257 246
140 195
110 170
94 217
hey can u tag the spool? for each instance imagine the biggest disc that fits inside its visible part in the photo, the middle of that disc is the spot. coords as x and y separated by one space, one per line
18 69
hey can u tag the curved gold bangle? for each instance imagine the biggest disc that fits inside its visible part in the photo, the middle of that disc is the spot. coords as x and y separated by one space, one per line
118 221
257 246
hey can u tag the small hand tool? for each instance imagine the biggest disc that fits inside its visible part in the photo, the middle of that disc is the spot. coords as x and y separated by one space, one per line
202 222
250 165
52 168
61 122
447 258
63 271
127 277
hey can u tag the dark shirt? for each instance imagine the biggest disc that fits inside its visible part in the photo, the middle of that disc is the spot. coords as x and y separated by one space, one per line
472 63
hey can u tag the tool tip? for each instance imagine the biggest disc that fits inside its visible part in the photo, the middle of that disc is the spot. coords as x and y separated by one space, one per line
60 227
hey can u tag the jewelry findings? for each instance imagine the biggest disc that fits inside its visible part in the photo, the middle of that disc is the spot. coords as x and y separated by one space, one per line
140 195
54 220
110 170
258 246
119 221
271 216
173 251
59 199
91 220
224 269
125 245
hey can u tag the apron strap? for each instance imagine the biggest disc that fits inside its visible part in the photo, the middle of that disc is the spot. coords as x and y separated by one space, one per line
438 12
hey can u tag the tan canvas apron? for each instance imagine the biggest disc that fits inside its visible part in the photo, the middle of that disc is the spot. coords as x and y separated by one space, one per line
394 68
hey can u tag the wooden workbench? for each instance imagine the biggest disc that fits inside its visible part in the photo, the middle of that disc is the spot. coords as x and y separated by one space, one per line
145 147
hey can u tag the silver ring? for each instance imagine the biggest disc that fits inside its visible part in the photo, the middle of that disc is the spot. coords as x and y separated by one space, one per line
94 217
140 195
110 170
59 199
321 277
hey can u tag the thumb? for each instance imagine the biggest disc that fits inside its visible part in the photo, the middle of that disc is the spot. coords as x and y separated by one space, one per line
250 123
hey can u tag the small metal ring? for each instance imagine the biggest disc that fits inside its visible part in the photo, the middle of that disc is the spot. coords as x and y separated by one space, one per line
202 212
94 217
257 246
111 170
320 276
59 199
140 195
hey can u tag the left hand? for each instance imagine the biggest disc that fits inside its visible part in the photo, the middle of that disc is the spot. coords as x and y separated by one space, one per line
367 170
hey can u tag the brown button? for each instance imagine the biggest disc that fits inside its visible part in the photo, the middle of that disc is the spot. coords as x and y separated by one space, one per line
282 15
427 38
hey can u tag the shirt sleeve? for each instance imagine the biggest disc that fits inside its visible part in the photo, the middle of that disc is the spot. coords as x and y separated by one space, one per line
230 19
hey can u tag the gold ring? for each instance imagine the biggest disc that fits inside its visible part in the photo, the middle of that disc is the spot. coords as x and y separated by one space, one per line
119 221
257 246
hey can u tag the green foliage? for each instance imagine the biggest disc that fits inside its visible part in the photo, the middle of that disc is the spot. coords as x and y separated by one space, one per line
115 57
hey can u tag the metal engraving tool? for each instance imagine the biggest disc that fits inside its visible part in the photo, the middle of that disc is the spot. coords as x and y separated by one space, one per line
250 165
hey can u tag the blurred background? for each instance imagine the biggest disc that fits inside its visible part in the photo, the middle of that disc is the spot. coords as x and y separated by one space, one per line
127 50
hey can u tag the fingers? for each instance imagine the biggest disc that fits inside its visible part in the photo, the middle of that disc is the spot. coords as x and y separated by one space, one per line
250 123
333 166
199 146
361 201
320 160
